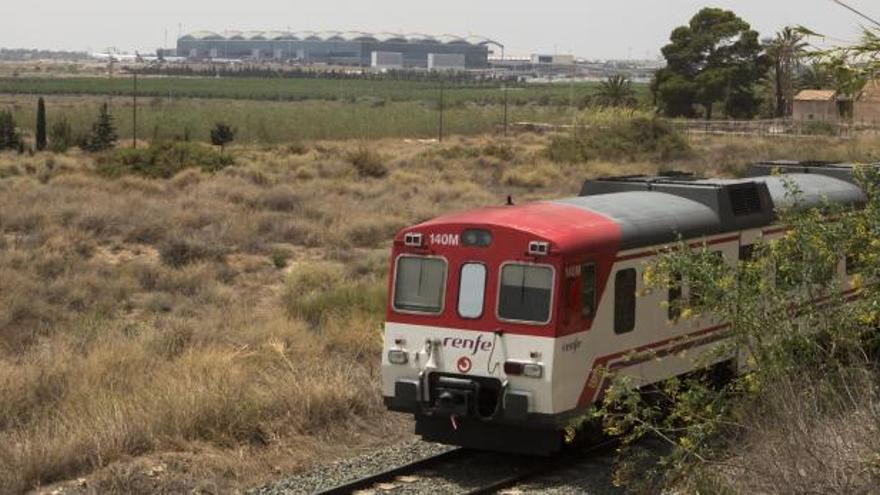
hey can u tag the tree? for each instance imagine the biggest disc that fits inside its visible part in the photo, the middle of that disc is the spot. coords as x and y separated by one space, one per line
786 52
41 125
815 76
849 67
616 91
61 136
9 138
715 58
103 136
222 134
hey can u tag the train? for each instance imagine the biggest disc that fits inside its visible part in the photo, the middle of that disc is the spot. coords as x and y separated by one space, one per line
504 324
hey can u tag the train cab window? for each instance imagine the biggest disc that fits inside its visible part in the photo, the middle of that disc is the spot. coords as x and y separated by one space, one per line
471 290
525 293
588 291
625 301
419 284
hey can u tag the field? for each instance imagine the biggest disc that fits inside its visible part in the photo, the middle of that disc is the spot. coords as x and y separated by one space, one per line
263 122
280 89
273 111
213 331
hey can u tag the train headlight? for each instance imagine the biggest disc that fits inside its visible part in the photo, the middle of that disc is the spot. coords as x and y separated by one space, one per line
396 356
517 368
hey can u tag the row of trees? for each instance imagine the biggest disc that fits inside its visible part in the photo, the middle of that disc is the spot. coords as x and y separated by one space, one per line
718 61
60 136
57 138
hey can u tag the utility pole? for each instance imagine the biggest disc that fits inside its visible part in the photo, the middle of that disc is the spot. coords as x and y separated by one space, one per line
134 111
440 129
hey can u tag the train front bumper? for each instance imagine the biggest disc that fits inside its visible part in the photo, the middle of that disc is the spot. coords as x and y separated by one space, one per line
461 397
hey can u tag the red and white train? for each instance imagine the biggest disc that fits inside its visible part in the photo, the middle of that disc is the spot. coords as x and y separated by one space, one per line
505 323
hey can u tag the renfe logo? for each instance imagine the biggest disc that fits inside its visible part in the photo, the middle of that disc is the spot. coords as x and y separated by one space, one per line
464 364
476 345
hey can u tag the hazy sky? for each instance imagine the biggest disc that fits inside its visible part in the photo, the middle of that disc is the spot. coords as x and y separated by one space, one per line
588 28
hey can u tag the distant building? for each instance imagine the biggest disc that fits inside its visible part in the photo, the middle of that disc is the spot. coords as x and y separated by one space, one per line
866 107
816 105
387 60
446 61
335 48
538 59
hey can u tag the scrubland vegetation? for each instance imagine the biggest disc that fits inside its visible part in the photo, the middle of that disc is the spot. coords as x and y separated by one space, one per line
178 319
263 122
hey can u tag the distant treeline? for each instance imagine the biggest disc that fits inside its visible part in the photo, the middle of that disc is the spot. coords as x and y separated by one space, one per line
262 72
24 54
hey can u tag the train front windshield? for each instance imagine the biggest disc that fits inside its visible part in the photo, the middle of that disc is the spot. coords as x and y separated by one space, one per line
420 284
526 293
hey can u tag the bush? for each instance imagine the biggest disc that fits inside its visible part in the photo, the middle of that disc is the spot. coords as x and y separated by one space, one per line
368 163
181 252
162 160
634 139
9 137
819 128
222 134
803 414
60 136
315 293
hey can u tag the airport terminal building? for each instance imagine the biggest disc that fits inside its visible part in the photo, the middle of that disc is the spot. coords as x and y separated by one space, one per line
337 48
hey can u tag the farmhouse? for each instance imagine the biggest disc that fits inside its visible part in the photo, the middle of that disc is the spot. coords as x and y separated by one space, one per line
816 104
866 108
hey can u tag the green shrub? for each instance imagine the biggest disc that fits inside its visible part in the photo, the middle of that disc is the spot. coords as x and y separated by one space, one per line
280 258
819 128
162 160
634 139
60 136
368 163
317 292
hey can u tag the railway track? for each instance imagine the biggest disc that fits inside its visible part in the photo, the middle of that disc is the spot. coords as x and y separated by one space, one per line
517 470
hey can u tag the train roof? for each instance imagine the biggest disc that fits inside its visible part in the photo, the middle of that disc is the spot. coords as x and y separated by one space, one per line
638 211
568 227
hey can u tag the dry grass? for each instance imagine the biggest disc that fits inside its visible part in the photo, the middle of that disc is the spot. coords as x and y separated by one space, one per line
227 326
809 438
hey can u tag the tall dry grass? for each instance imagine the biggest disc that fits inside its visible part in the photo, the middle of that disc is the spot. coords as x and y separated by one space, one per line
229 315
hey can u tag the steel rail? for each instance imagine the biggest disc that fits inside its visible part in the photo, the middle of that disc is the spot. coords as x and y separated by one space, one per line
543 467
390 474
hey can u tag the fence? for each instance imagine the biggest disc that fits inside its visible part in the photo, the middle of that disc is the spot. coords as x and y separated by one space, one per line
757 128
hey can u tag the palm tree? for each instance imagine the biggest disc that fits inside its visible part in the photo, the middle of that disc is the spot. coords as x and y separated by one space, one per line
786 50
616 91
815 76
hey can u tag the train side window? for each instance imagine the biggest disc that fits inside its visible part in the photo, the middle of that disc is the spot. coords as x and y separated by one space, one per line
673 311
588 291
625 301
471 290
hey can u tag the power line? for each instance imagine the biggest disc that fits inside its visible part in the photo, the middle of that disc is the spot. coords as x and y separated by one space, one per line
857 12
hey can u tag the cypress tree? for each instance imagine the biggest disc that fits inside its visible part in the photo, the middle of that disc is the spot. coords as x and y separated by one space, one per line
41 124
